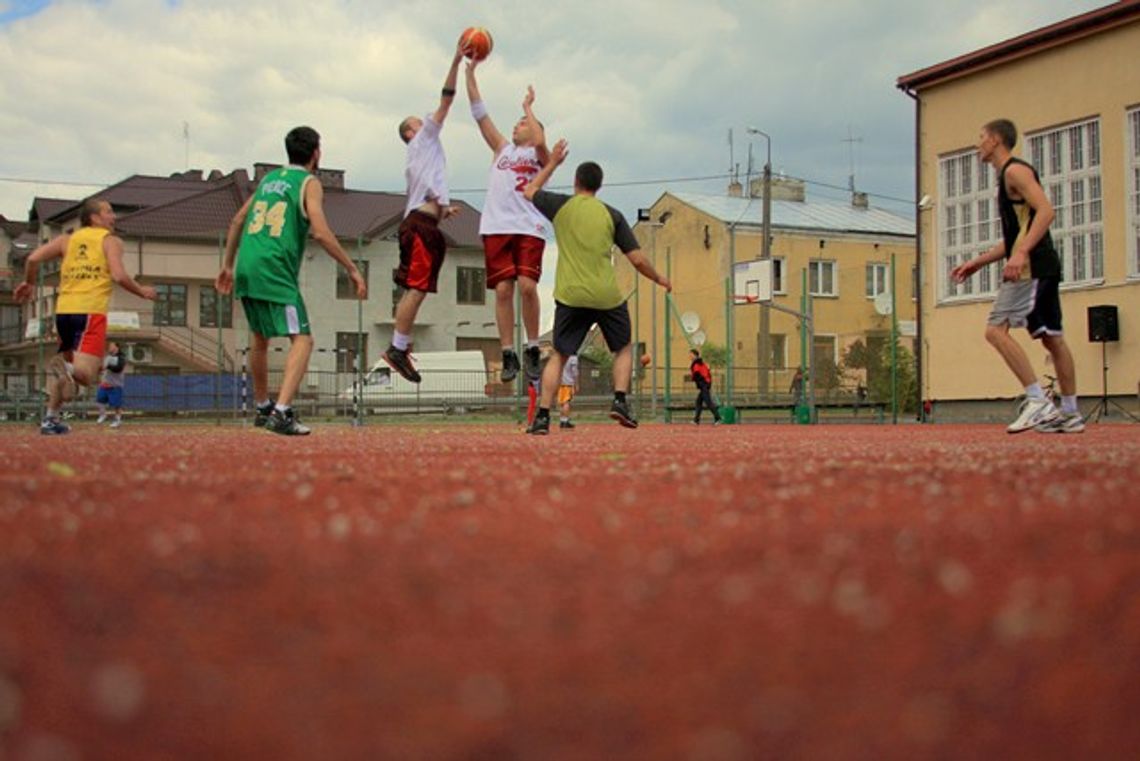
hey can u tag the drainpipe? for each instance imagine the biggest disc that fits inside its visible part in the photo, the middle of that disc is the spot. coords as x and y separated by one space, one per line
920 415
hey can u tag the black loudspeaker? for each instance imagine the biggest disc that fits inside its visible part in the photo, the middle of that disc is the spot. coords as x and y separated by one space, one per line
1103 324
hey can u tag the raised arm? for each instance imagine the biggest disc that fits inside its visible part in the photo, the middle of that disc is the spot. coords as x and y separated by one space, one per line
542 153
53 249
323 234
557 156
447 95
491 134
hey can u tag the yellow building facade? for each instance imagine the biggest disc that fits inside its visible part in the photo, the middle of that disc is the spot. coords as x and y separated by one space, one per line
1073 91
843 250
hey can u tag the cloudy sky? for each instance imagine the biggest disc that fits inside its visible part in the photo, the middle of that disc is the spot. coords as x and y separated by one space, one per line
93 91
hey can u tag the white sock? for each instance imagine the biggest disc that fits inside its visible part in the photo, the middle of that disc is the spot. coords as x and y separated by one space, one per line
1069 404
1033 391
563 418
400 341
508 348
263 403
532 343
282 408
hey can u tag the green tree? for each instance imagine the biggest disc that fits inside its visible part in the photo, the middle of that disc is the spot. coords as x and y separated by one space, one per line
875 359
714 355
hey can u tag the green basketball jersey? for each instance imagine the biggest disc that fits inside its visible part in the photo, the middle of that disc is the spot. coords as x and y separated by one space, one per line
273 239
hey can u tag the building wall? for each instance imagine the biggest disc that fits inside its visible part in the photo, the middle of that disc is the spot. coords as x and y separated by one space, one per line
698 273
1077 81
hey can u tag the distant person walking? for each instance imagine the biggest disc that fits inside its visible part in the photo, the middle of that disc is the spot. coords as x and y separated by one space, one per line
1028 296
92 265
110 392
566 390
702 376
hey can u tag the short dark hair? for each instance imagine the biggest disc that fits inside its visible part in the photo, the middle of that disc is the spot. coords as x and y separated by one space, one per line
91 207
300 145
1005 130
588 176
695 352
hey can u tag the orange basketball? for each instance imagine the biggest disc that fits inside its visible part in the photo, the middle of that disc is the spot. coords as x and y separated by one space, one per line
476 43
646 360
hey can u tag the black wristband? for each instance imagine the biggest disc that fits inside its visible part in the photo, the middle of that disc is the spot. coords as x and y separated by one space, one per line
448 92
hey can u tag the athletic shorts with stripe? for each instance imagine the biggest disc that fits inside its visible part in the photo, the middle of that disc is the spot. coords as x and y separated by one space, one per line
509 257
1031 304
82 333
270 319
422 248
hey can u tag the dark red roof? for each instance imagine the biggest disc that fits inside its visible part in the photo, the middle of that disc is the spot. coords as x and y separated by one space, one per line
1084 25
45 208
205 215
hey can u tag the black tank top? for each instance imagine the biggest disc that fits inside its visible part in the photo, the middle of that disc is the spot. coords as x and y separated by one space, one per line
1016 217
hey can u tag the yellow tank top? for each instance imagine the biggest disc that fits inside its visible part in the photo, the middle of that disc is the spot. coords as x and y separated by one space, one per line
84 278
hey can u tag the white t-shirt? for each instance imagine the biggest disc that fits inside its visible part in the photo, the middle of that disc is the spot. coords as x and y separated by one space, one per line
506 210
570 371
426 170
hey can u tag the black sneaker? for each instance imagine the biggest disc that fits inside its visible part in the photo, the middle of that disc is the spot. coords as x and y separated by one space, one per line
262 415
530 362
54 427
401 362
510 366
565 424
286 423
619 411
540 426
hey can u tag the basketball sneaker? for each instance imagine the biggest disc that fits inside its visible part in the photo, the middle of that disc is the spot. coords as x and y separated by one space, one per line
1066 422
531 364
116 423
619 411
401 362
510 366
1034 412
540 426
566 424
286 423
262 416
54 427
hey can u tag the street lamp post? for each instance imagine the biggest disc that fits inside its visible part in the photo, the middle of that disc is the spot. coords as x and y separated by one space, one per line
766 253
644 216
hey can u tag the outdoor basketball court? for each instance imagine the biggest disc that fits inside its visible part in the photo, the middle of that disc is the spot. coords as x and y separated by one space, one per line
463 591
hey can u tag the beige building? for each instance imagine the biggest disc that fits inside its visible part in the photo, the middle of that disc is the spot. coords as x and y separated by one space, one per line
843 249
1073 89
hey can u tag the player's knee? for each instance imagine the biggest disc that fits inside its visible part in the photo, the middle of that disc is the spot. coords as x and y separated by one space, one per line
995 334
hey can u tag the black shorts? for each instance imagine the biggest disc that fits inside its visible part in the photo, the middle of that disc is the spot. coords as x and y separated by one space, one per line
571 324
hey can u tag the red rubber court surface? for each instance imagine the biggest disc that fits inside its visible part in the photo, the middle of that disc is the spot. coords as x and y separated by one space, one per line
466 592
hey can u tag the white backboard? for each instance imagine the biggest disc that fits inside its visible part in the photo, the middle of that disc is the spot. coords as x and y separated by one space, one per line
752 282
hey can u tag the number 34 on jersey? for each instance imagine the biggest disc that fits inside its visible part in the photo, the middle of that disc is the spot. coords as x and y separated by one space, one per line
266 215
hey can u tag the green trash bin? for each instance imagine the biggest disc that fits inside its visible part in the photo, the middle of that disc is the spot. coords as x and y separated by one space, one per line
727 414
802 414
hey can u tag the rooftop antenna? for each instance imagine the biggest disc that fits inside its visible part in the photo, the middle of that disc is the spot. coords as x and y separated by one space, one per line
851 140
731 156
186 143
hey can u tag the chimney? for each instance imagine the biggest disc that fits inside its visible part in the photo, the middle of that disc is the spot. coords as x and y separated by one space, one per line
332 179
859 200
735 189
783 189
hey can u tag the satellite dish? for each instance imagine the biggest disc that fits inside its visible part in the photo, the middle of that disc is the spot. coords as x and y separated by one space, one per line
699 338
691 322
883 303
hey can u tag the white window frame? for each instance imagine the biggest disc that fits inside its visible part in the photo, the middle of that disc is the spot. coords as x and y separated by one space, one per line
1068 160
968 223
876 276
1132 190
815 278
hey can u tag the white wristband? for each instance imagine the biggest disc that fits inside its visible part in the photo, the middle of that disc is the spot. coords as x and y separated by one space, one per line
478 110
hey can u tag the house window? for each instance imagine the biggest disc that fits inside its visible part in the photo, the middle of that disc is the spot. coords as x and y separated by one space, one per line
970 224
821 277
170 307
346 348
397 292
778 275
209 302
778 344
1071 175
471 285
876 278
344 287
1132 186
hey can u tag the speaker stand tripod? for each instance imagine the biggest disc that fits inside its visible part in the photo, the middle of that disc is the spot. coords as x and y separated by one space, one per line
1101 408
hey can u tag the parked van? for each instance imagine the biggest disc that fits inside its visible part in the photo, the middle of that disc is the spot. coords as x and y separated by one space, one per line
448 379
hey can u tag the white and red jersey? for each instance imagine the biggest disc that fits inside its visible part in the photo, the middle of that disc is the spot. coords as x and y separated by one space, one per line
506 210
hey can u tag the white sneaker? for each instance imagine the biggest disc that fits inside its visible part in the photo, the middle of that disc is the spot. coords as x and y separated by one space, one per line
1034 412
102 419
116 423
1066 422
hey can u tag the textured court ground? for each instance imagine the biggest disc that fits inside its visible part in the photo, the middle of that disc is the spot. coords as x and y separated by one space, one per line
466 592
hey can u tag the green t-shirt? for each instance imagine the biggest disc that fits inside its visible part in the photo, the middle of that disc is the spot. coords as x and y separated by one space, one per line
586 230
273 238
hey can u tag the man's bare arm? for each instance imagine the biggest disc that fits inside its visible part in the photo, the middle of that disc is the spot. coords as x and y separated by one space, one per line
557 156
113 249
447 96
490 132
323 235
53 249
